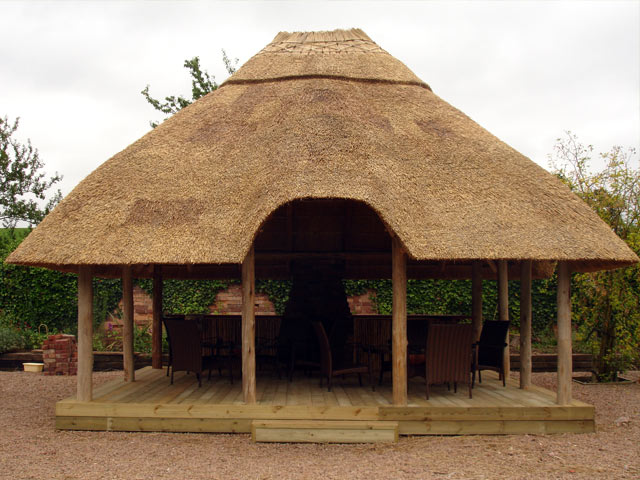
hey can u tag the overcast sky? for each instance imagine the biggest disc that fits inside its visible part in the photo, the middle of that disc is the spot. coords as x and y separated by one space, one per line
526 71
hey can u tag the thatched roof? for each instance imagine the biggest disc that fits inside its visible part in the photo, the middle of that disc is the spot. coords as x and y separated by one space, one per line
319 115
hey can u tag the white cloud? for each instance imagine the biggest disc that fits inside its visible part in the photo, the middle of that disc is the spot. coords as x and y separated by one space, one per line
526 71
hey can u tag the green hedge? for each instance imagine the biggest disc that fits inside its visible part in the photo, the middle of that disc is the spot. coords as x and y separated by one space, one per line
30 297
454 297
187 297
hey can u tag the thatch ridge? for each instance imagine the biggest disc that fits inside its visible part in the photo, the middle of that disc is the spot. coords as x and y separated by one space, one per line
340 54
337 35
196 189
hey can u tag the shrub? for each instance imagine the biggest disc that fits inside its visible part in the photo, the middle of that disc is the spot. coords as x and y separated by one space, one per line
606 303
111 340
10 340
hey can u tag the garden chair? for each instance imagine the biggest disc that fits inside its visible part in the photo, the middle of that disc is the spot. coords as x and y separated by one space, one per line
448 356
227 347
327 367
186 348
490 349
164 318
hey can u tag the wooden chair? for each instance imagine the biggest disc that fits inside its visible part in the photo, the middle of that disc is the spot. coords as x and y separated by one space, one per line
327 368
186 348
490 349
448 355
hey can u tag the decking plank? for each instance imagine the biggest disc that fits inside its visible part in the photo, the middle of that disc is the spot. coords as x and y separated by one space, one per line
341 396
178 388
151 404
139 386
189 391
231 395
266 390
155 385
195 393
116 383
353 393
323 431
523 399
280 396
494 427
215 387
304 393
213 397
329 397
368 397
113 390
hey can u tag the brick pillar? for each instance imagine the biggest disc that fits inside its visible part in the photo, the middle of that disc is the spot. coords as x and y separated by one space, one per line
60 355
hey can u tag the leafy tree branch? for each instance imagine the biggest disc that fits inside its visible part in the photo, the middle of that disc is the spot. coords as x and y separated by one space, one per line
201 84
606 303
23 185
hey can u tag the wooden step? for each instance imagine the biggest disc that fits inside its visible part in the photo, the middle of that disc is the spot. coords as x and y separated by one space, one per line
324 431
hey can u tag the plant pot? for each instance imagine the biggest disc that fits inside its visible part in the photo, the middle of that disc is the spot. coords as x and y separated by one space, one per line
33 367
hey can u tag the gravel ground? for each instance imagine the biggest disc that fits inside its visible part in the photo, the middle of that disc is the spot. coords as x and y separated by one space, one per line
30 447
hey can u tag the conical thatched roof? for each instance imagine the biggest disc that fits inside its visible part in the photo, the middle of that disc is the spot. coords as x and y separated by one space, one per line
319 115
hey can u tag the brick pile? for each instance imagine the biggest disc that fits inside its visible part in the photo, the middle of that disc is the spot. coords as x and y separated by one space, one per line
60 355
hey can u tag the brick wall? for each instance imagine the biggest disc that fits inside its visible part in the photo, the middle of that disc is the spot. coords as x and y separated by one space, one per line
363 304
229 301
142 307
142 310
60 355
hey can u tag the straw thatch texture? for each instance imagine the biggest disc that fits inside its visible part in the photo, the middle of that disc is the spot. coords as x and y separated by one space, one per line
346 54
308 122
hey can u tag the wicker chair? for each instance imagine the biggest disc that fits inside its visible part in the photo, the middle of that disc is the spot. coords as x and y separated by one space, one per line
227 348
448 356
185 340
164 321
490 348
374 335
267 331
327 368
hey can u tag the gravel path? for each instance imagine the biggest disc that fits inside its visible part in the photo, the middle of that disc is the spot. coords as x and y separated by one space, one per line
30 447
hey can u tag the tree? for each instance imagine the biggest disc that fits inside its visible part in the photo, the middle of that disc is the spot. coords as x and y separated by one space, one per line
201 84
23 185
606 303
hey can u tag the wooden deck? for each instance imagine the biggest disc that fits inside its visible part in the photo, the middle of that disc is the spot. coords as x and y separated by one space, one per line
151 404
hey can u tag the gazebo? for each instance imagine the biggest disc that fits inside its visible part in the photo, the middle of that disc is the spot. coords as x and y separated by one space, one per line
324 146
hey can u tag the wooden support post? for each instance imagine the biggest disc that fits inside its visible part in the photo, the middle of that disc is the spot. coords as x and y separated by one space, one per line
476 299
525 324
127 327
503 307
156 327
248 329
85 334
565 367
399 322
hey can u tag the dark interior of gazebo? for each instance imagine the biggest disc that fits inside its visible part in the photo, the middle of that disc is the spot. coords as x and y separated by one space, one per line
321 230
